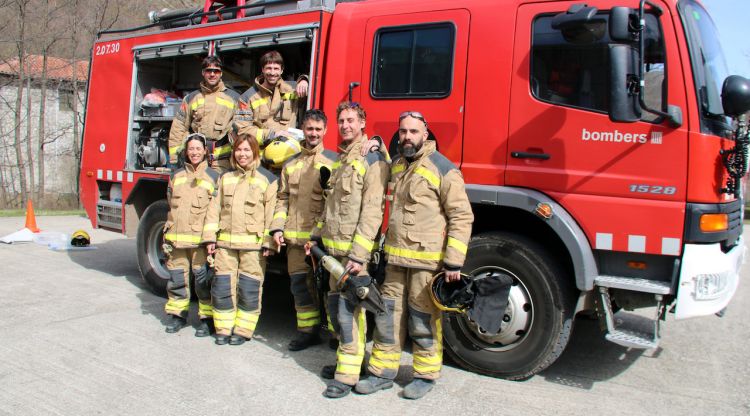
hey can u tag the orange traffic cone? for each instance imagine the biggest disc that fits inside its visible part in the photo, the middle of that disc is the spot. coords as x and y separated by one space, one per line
30 218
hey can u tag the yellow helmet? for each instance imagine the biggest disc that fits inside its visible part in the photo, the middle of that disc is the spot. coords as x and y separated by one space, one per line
279 151
80 238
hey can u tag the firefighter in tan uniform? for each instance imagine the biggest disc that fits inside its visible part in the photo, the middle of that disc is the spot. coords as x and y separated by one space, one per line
189 193
236 232
270 107
298 207
209 111
348 230
429 228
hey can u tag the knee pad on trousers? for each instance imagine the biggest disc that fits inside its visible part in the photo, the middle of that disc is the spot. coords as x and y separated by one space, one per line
248 293
346 320
333 311
202 283
176 284
221 292
300 291
385 324
420 330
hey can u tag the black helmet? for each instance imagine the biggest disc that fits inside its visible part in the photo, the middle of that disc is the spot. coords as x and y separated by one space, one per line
455 296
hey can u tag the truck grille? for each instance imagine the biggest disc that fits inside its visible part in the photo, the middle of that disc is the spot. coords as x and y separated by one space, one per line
109 215
735 224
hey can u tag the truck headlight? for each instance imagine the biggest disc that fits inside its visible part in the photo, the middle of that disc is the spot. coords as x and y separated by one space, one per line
710 286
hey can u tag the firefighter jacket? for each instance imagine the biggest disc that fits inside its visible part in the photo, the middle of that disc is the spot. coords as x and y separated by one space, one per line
353 212
262 112
240 215
299 203
430 219
189 194
209 112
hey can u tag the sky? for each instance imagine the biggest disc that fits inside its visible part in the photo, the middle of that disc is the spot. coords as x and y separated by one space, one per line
732 18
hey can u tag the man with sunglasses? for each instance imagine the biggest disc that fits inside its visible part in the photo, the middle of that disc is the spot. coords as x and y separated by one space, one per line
429 228
349 229
209 111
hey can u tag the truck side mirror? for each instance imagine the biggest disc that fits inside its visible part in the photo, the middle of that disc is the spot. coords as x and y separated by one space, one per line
735 96
623 25
624 103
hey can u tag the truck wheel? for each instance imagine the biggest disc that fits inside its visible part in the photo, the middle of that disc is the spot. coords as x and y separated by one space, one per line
539 317
151 258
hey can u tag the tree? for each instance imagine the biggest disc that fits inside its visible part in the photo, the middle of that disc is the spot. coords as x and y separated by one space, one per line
21 6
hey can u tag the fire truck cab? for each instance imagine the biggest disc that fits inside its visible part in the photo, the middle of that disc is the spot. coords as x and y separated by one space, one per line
602 144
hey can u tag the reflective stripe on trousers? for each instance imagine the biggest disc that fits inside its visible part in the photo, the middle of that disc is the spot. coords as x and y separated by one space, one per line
405 294
237 291
351 351
179 263
302 286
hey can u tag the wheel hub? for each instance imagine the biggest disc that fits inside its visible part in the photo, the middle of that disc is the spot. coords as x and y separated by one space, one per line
155 252
517 319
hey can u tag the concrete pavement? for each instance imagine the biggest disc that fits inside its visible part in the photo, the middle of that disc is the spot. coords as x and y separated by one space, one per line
81 334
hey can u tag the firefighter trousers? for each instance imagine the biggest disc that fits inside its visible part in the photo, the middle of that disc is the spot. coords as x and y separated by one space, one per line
180 262
237 290
347 321
406 292
302 285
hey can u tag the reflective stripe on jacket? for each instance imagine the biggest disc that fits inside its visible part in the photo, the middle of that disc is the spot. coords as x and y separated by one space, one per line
431 217
299 203
189 194
240 215
262 111
353 211
207 111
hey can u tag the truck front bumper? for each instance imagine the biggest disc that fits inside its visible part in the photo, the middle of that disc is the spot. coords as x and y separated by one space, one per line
708 278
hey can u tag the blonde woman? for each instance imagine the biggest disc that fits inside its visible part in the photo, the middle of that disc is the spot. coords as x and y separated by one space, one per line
236 233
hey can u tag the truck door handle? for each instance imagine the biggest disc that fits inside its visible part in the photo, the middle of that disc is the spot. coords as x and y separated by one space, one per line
527 155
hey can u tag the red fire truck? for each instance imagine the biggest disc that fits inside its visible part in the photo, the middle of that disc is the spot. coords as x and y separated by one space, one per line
603 144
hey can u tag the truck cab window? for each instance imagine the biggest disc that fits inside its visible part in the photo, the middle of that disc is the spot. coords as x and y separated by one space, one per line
572 72
413 62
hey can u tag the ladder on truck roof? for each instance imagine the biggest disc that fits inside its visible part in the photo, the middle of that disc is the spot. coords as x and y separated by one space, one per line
225 3
226 10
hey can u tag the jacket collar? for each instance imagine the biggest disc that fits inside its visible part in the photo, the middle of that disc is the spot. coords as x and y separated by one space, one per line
205 89
265 91
250 169
354 146
201 166
428 148
312 151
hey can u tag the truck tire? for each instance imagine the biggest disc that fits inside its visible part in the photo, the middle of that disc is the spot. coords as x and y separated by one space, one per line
537 321
149 240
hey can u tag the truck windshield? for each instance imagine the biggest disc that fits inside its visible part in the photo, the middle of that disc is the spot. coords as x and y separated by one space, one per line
709 66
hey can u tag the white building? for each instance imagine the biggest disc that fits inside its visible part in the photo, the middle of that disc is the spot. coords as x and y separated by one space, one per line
60 167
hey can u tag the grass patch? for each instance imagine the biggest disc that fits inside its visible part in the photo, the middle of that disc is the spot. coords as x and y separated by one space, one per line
41 212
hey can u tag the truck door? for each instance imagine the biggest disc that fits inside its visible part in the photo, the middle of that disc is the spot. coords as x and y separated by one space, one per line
562 142
418 62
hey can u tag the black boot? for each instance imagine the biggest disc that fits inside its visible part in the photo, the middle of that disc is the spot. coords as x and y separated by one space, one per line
303 340
204 328
222 339
237 340
418 388
337 390
175 323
